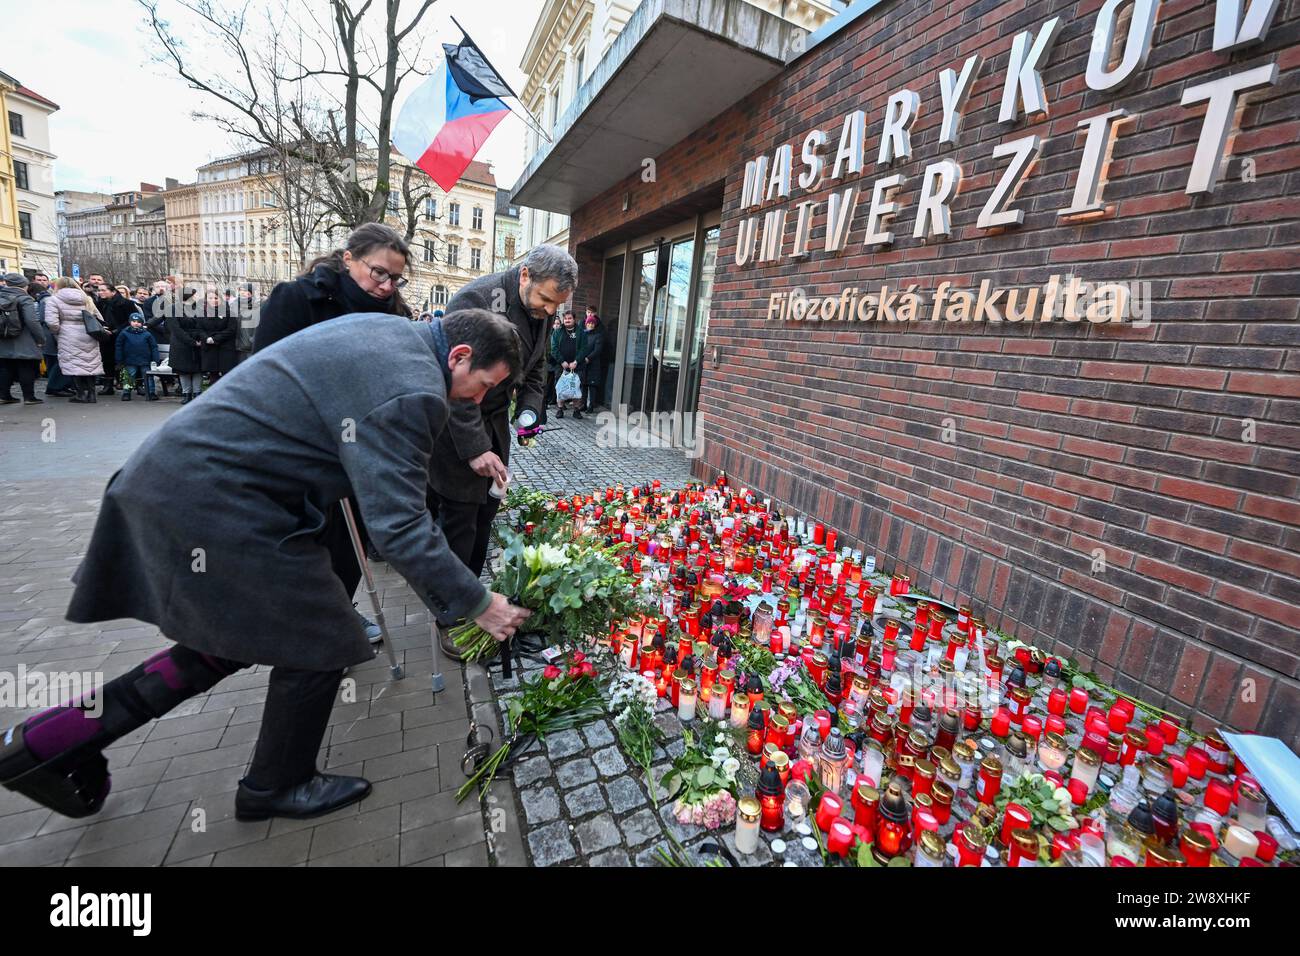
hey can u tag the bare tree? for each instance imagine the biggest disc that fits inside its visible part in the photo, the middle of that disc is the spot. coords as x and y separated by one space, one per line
223 267
259 86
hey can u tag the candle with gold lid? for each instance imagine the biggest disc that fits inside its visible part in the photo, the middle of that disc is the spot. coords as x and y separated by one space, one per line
930 850
748 812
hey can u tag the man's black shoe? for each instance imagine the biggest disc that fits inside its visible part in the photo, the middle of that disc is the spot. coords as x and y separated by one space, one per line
321 794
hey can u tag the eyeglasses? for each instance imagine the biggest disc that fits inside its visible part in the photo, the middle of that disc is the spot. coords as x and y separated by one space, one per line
383 275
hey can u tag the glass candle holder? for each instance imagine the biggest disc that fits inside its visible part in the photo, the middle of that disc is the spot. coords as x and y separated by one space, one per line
686 691
1252 809
1240 842
1051 752
797 798
739 709
1087 765
748 813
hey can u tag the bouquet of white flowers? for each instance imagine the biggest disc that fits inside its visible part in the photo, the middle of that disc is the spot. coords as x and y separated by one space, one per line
573 588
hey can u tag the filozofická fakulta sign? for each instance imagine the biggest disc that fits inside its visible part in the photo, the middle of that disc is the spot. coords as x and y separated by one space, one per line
1113 60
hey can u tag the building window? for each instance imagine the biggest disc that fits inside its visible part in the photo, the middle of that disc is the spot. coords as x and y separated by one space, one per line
510 249
25 225
453 255
476 260
555 107
477 219
580 63
392 203
431 207
440 295
15 123
453 213
20 175
428 250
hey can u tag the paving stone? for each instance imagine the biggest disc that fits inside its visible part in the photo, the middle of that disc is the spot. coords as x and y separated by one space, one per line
609 762
624 794
575 772
681 832
474 855
650 856
640 827
596 834
441 838
284 850
530 771
610 858
540 805
598 734
380 853
138 853
585 800
762 855
551 844
564 744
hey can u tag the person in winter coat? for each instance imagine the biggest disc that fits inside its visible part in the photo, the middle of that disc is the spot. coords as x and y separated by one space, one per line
56 383
79 355
219 327
568 348
136 349
185 339
114 320
591 365
247 474
155 320
364 276
21 340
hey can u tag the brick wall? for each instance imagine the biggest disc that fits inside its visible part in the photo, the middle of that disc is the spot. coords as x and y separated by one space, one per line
1068 438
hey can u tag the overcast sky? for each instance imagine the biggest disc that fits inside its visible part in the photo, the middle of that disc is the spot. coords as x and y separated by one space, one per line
124 118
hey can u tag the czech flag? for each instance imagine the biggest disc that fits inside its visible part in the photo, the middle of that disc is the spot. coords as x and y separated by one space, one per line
441 128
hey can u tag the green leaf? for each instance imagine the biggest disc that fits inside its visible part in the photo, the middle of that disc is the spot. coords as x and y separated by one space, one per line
1062 824
865 858
705 777
900 861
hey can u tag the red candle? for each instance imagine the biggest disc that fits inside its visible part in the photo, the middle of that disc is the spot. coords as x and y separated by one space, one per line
1197 762
828 810
839 838
865 798
1179 766
1078 791
1056 702
1267 846
819 533
1016 818
1117 718
1055 724
1155 739
1078 700
970 846
923 819
823 718
1032 726
1169 728
1135 742
831 538
1218 797
773 818
1001 725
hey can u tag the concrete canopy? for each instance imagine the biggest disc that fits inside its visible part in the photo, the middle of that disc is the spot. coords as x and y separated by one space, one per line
676 65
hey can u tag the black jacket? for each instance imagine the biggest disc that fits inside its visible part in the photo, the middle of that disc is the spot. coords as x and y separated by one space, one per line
222 329
183 334
591 365
117 311
155 317
474 429
303 302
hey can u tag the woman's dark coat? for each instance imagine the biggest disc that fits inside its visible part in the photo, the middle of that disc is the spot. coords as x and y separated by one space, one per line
210 530
184 334
222 328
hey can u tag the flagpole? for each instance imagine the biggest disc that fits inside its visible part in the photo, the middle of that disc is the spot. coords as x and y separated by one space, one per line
527 116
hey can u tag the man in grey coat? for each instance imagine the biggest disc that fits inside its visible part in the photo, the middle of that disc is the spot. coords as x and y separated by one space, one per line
20 354
474 450
223 552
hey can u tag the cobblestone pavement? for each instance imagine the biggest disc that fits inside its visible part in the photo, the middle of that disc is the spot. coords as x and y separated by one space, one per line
174 779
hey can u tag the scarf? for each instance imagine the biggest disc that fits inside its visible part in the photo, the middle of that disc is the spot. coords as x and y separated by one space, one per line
357 299
442 350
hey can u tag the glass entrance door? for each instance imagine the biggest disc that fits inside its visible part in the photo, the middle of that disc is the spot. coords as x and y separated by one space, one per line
668 333
636 345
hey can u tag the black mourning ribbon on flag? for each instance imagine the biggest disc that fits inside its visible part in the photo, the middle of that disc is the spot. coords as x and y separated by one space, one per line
472 72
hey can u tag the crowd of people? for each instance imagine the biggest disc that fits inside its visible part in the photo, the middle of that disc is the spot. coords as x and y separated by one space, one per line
96 338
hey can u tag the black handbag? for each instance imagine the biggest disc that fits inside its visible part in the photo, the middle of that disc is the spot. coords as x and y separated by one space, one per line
95 328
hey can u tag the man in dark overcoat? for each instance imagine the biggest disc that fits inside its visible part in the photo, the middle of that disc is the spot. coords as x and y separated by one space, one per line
475 449
211 531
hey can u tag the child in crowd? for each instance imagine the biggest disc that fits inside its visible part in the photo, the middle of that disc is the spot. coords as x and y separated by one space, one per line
136 350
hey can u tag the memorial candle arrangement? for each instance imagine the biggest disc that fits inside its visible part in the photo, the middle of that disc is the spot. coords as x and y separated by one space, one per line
901 728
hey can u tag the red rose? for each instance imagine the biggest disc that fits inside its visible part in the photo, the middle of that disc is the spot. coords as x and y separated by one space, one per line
579 657
550 672
588 669
575 670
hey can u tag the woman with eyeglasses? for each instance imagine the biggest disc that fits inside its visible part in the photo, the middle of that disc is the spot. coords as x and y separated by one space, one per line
364 276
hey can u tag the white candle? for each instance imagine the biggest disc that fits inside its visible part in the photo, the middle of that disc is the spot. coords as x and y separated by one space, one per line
747 814
686 701
718 702
1240 842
